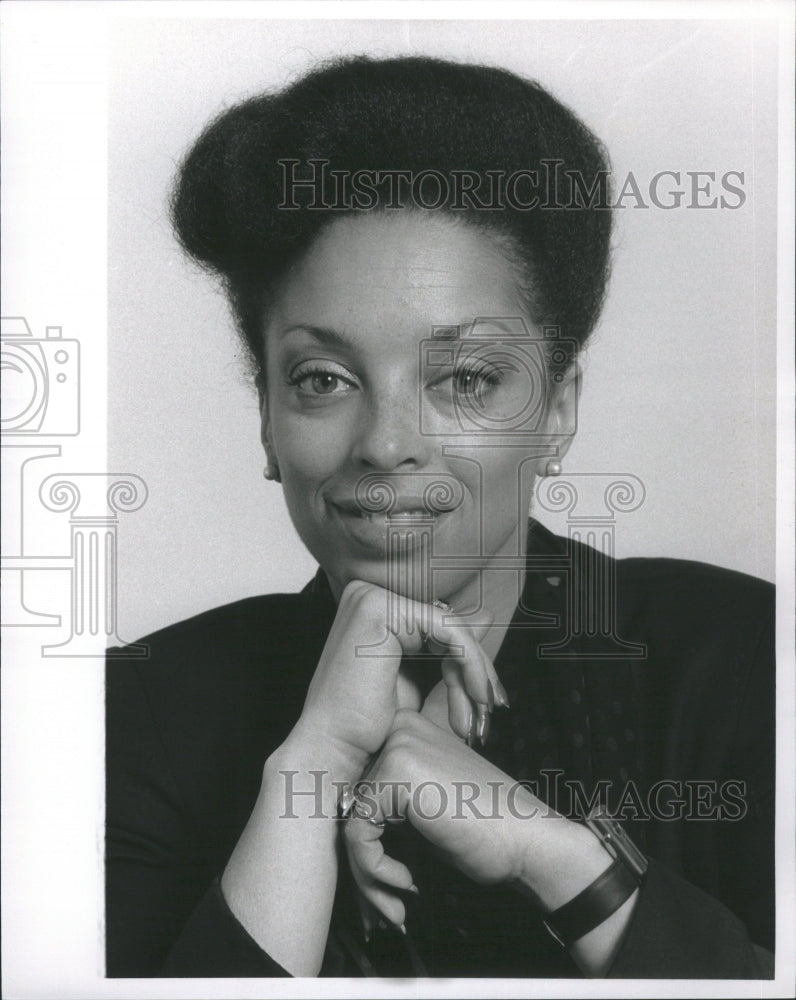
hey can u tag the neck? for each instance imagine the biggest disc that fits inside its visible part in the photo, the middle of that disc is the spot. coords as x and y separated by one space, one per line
492 593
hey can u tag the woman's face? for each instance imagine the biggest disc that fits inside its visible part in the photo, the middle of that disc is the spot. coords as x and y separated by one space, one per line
364 391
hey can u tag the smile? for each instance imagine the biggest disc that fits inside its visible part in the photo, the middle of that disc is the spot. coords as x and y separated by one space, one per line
405 524
392 509
410 514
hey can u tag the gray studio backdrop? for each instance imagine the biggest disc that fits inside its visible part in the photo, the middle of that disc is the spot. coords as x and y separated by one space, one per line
680 379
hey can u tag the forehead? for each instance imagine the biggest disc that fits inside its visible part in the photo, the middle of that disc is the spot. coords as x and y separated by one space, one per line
405 272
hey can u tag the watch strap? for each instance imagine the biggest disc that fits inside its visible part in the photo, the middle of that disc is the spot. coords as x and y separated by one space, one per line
595 904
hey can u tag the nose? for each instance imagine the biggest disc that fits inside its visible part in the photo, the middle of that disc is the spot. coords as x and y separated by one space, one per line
390 434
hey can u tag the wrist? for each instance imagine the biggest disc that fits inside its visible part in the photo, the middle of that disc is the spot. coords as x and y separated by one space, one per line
306 748
556 868
305 783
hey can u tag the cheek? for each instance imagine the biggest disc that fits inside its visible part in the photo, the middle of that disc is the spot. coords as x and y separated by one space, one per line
503 490
308 449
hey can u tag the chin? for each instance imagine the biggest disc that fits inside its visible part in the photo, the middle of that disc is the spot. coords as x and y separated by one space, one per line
404 578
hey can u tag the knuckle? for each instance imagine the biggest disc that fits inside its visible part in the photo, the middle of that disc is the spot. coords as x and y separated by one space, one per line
398 755
405 720
402 739
352 592
371 601
382 870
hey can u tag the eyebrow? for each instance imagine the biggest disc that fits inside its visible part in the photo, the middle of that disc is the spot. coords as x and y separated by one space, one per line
452 331
507 324
325 334
336 338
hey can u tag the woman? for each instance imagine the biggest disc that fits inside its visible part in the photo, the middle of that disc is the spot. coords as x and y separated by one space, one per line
364 778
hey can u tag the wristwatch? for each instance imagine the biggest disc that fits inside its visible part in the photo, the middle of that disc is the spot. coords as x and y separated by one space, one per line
608 891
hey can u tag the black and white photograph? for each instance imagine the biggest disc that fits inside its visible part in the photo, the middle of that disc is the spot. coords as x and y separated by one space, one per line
398 500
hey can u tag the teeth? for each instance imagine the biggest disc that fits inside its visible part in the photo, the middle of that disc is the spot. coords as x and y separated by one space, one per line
396 516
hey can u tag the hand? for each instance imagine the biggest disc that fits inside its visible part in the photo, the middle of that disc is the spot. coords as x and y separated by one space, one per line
460 802
281 878
490 827
355 691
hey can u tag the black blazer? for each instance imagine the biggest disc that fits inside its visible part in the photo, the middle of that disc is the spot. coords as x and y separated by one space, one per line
679 735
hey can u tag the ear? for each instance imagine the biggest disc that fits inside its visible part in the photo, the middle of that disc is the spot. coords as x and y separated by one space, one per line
265 424
561 422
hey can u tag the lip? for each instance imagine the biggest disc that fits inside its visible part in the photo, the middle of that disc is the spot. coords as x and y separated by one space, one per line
370 529
404 507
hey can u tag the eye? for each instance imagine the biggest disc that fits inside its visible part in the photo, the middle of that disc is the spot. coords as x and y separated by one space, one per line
326 378
474 381
323 383
471 381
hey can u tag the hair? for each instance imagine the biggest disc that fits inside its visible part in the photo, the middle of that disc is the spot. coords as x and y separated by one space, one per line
410 114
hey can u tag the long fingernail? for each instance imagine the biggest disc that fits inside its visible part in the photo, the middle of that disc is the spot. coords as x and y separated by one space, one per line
501 697
413 888
402 929
471 730
490 695
482 730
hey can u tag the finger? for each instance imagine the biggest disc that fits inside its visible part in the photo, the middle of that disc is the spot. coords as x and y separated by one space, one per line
478 626
481 628
478 673
364 858
363 855
417 625
376 866
461 717
376 875
361 831
374 905
368 914
472 634
496 692
394 874
388 904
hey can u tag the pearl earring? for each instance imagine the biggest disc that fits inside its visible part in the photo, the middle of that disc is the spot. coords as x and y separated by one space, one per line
271 473
553 468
